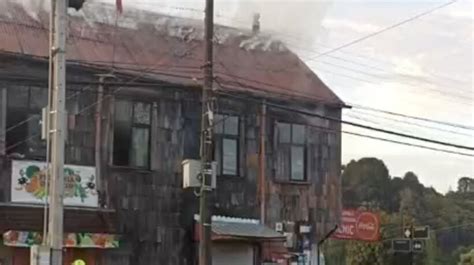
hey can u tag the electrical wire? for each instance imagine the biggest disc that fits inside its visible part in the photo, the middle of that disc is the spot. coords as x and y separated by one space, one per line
411 123
385 131
142 74
407 144
450 124
398 24
305 95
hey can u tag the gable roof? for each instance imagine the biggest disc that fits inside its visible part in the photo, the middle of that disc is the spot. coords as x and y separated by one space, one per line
166 48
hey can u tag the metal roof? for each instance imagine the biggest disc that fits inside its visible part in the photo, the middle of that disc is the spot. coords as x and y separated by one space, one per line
244 230
231 227
165 48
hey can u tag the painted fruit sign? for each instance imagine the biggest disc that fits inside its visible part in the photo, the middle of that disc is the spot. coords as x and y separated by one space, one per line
29 182
358 225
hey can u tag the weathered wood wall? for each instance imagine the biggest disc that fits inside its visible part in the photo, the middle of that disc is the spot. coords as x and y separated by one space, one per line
155 213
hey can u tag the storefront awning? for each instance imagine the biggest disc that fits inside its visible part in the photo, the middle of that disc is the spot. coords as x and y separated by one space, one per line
29 217
230 228
14 238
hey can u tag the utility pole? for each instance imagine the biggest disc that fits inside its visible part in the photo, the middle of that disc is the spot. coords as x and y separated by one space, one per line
55 236
263 181
205 222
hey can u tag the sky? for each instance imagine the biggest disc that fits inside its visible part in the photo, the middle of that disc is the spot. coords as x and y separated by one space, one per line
423 68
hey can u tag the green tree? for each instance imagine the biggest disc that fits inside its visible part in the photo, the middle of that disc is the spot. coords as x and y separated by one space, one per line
465 185
467 258
365 181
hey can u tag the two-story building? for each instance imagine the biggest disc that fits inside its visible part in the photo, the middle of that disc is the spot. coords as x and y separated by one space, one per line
134 115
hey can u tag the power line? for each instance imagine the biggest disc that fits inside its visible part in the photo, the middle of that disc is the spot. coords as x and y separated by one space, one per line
414 137
143 73
462 96
441 92
407 144
385 29
306 95
412 123
365 119
365 57
413 117
241 21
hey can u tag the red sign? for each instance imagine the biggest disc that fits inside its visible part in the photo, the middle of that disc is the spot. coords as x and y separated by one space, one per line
358 225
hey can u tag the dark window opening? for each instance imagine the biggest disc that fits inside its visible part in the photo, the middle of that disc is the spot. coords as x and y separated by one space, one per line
292 150
226 147
23 129
132 134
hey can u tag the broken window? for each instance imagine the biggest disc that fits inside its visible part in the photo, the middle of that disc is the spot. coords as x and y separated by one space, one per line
23 132
291 151
227 144
132 134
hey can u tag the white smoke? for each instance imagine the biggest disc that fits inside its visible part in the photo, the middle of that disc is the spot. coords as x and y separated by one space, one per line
289 20
32 7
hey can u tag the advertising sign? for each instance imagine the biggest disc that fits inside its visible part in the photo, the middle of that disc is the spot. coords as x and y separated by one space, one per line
29 178
358 225
71 240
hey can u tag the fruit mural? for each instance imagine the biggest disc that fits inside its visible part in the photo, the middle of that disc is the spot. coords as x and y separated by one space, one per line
71 240
30 177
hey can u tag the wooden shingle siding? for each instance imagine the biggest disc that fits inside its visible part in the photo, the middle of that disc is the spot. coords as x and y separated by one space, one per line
154 213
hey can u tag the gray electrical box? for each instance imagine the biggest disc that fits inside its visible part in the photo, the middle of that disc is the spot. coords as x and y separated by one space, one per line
191 173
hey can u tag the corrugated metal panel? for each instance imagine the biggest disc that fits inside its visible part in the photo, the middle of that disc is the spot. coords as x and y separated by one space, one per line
173 51
236 229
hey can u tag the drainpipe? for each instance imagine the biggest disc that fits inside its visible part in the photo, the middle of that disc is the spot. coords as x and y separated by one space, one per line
98 140
262 177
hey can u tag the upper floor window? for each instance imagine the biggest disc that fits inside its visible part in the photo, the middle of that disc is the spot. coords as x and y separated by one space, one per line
292 150
226 144
23 129
132 134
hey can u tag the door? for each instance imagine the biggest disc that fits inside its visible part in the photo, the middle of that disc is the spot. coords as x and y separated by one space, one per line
232 254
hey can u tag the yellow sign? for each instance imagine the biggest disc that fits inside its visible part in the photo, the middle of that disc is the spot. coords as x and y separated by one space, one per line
79 262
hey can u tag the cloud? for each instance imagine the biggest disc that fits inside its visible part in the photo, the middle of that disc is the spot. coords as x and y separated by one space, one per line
346 24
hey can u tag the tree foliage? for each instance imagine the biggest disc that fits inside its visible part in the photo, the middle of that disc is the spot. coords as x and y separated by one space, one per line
467 258
402 201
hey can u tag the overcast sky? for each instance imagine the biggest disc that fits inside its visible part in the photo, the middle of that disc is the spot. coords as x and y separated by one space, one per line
423 68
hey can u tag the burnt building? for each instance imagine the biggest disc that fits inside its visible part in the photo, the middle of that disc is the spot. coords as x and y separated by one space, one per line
133 102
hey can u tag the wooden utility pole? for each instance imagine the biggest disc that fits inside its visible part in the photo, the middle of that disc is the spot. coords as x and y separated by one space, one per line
262 177
55 236
207 135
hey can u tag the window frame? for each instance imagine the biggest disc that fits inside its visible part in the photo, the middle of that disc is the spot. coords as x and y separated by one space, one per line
221 137
290 145
30 109
133 124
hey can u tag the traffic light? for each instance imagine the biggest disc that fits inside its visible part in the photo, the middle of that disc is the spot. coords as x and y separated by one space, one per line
76 4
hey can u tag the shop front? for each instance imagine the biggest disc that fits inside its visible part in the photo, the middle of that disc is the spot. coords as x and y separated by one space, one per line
85 248
238 241
89 231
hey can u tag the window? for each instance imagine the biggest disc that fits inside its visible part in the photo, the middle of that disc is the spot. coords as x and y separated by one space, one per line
292 150
132 134
23 121
227 144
